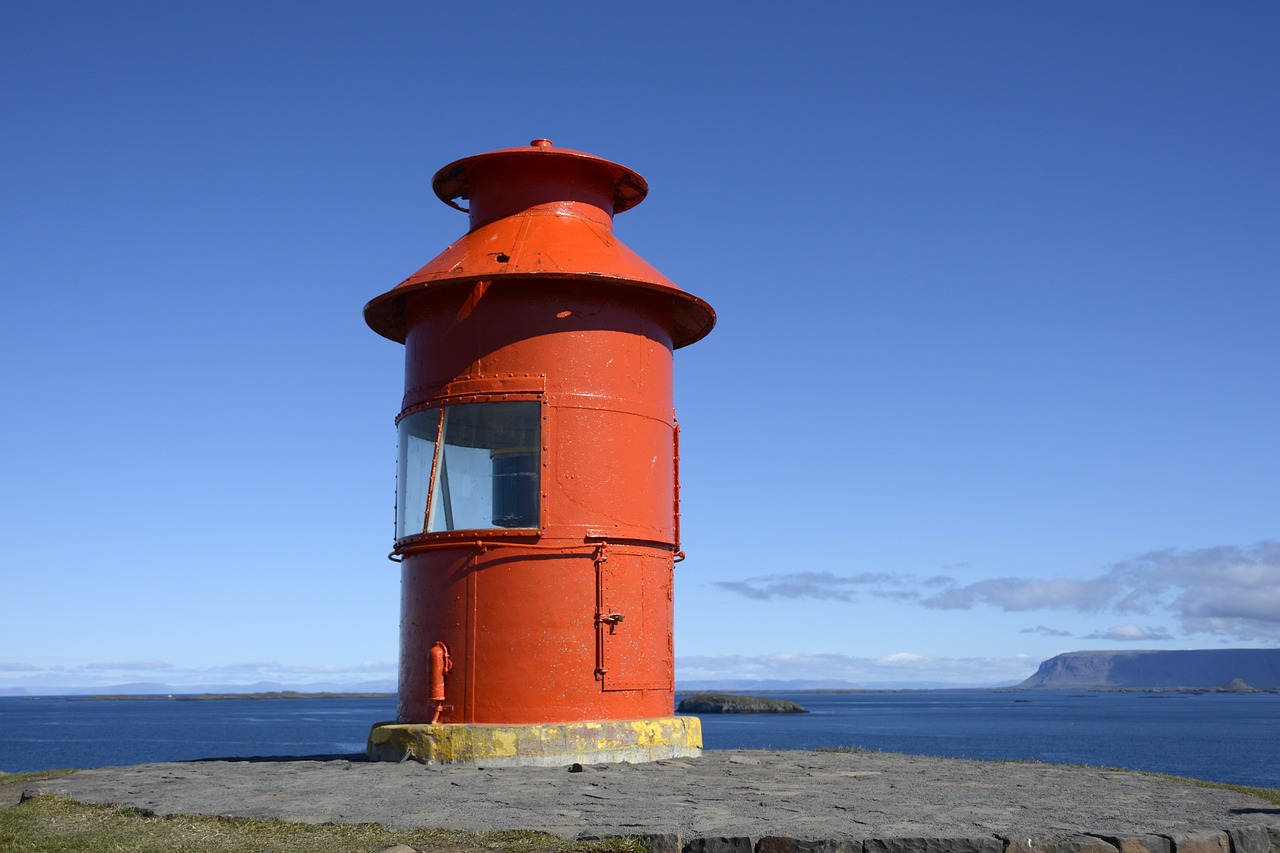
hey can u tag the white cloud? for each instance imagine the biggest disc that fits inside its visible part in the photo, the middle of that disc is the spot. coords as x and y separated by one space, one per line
899 669
823 586
92 677
1224 590
1130 634
900 658
129 666
1023 594
1229 591
1045 631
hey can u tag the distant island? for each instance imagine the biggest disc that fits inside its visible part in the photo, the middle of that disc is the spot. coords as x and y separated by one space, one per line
729 703
1231 670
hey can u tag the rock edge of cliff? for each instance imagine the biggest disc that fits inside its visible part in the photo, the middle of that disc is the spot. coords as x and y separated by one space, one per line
1236 670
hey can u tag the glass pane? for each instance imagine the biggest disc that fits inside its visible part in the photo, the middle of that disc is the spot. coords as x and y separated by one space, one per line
488 469
418 434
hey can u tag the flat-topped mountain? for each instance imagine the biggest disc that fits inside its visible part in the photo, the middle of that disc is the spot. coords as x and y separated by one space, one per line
1232 669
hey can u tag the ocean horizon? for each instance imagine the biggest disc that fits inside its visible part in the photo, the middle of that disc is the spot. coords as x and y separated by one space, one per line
390 686
1222 737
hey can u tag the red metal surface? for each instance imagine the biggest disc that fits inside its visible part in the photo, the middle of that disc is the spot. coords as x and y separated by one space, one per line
540 213
441 665
566 616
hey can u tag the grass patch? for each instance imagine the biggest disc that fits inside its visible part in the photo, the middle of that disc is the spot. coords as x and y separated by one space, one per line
13 784
31 776
50 824
1271 795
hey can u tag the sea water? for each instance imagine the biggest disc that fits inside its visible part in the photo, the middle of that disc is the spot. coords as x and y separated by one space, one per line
1221 737
1215 736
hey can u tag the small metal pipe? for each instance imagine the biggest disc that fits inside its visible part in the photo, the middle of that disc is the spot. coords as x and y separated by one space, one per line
441 664
675 508
601 555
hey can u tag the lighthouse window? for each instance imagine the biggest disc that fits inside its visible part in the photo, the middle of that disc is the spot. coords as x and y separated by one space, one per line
487 468
477 464
418 435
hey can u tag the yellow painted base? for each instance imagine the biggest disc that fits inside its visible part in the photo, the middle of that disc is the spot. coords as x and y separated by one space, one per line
538 745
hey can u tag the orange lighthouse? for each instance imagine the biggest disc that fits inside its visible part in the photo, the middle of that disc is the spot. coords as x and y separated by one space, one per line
537 508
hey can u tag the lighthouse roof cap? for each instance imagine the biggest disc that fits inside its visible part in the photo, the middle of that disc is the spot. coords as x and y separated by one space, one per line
453 181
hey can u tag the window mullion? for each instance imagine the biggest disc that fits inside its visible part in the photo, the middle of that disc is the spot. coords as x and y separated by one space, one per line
437 453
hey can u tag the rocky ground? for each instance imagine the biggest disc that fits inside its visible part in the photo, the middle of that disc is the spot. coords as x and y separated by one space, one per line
868 802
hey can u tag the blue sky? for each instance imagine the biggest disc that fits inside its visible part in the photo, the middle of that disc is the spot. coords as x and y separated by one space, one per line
994 376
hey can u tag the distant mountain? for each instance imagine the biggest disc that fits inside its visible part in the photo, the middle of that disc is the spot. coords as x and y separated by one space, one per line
1159 670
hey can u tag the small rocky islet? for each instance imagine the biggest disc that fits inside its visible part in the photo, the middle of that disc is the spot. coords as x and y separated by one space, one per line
732 703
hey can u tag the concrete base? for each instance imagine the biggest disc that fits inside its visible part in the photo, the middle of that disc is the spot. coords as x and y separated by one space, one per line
538 745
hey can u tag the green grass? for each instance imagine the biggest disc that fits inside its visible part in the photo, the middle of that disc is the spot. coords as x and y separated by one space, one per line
1271 795
50 824
15 778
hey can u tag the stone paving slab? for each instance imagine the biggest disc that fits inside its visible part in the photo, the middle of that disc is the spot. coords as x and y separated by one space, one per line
753 801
